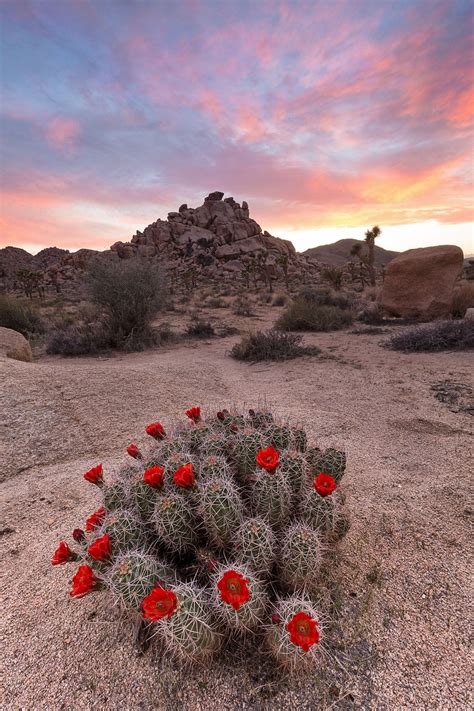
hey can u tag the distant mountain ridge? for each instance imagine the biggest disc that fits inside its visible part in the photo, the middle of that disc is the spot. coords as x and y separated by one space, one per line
14 259
338 253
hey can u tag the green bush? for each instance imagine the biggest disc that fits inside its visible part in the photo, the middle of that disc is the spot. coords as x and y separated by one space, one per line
437 336
271 345
20 316
308 316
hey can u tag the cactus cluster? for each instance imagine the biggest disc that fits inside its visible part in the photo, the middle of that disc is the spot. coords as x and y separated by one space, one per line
218 528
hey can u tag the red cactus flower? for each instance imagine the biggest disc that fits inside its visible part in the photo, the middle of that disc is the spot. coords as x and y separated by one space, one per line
154 476
159 603
96 519
63 554
156 430
233 589
83 582
78 535
184 476
276 618
194 413
133 451
101 549
324 484
220 416
94 475
268 459
303 630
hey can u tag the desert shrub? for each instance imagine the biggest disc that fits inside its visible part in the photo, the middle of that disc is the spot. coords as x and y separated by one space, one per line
78 339
271 345
20 316
372 314
130 294
309 316
463 299
279 300
323 296
198 328
242 306
215 302
436 336
217 530
333 275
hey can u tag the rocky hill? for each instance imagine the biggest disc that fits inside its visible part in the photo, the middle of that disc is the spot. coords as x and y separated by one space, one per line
339 253
215 242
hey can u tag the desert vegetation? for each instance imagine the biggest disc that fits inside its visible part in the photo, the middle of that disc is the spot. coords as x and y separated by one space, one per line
271 345
436 336
219 528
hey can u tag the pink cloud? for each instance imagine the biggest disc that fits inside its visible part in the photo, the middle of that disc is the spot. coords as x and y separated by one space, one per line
63 133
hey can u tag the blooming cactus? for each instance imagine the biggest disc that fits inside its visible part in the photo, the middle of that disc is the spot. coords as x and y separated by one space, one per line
220 526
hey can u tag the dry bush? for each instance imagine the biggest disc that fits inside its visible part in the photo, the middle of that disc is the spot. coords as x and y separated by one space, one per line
198 328
242 306
77 340
436 336
323 296
463 299
308 316
130 294
372 314
20 316
279 300
271 345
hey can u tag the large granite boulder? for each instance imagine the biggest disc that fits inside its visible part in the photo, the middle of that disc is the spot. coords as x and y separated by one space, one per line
419 283
14 345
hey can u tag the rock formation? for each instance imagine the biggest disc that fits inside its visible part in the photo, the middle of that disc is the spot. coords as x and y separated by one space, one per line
419 283
14 345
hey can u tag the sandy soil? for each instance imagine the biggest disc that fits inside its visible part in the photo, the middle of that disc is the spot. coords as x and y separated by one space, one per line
400 638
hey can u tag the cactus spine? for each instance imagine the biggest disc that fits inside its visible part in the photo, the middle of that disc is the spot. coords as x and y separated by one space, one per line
270 496
221 510
301 556
255 545
175 522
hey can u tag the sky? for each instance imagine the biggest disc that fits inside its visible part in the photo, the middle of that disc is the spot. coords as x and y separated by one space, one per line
327 117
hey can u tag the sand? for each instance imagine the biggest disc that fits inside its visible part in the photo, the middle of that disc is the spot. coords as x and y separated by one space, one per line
401 593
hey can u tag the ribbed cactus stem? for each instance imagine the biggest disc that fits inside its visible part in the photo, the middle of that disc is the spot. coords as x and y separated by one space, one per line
255 545
133 576
221 510
301 556
175 521
270 497
191 633
126 531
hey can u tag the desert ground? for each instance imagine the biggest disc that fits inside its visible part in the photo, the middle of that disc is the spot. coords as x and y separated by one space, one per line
401 586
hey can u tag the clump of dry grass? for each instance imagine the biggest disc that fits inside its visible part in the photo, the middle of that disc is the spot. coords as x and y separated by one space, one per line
271 345
437 336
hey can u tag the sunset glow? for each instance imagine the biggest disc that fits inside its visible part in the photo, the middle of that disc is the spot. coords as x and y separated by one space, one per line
326 117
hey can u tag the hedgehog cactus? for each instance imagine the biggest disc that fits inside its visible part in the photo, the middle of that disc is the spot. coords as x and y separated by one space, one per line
221 510
294 635
301 557
238 598
134 575
255 544
203 529
188 628
175 522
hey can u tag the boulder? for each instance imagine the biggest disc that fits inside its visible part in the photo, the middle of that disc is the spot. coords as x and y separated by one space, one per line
14 345
419 283
243 246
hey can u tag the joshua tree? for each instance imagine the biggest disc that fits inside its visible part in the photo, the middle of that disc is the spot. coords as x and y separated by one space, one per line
283 262
368 258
